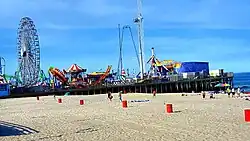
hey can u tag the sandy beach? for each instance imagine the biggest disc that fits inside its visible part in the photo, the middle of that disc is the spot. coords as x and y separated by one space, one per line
194 118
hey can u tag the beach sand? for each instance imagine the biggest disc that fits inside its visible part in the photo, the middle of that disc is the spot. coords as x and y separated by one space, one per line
194 118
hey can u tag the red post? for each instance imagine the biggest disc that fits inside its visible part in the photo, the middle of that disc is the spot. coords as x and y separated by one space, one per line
169 108
124 104
247 115
81 102
37 98
59 100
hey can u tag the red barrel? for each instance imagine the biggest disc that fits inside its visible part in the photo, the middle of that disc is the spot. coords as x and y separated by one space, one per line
169 108
247 115
81 102
59 100
124 104
37 98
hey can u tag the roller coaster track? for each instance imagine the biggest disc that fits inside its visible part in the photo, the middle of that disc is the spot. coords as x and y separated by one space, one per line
104 75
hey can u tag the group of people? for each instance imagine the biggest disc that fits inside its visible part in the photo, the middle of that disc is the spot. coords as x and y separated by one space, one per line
110 97
229 92
203 93
232 92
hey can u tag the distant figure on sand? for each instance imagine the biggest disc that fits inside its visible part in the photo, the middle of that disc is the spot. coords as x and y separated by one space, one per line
54 97
238 92
203 94
228 92
110 97
233 92
120 95
211 95
154 93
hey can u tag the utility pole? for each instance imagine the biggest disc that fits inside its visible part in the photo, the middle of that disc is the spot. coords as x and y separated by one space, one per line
139 22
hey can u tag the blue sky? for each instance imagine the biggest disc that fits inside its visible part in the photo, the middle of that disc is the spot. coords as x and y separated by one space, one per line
85 31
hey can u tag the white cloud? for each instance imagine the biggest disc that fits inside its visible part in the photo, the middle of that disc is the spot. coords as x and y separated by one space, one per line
62 14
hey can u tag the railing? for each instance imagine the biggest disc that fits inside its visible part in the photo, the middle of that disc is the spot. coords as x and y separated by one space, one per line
170 78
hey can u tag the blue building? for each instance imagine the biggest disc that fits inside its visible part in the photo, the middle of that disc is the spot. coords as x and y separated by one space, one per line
4 90
194 67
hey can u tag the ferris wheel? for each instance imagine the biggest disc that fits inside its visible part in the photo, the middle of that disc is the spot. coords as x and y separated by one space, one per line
28 51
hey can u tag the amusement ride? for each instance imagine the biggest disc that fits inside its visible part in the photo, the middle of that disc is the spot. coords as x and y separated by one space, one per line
139 21
29 73
121 74
28 51
120 70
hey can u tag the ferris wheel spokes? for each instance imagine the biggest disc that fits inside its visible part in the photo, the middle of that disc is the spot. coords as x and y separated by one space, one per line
28 50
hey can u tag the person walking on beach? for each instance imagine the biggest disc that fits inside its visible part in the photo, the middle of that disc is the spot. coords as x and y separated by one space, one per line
211 95
154 93
203 94
110 97
233 92
120 96
238 92
228 92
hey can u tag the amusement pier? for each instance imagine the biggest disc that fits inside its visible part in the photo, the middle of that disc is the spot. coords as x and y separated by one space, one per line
163 76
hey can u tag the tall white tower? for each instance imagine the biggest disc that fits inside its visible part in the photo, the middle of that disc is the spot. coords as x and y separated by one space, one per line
139 22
